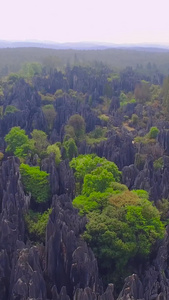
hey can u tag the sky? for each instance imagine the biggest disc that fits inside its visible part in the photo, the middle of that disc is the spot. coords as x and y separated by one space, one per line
111 21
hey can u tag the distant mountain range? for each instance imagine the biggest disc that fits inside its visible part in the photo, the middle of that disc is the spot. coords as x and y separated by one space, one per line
81 45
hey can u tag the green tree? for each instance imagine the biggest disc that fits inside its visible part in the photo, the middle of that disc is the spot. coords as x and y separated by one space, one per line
154 131
10 109
134 119
40 141
120 233
36 224
56 151
50 115
31 69
95 201
18 142
69 133
78 124
123 97
98 181
35 182
85 164
71 148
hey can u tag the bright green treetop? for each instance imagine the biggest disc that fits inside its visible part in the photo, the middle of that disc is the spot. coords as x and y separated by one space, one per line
40 140
18 142
56 151
85 164
35 182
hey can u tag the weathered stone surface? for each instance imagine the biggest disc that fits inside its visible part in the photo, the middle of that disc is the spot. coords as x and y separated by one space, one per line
129 174
155 182
132 290
48 165
117 148
27 280
108 295
163 139
14 204
69 262
156 279
4 274
12 228
66 179
114 105
29 115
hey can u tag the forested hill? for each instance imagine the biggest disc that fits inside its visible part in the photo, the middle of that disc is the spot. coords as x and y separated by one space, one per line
142 59
84 178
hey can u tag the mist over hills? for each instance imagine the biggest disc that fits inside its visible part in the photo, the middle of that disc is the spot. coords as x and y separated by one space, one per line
82 45
14 54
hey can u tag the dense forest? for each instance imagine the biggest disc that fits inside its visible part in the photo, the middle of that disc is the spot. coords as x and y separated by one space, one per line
142 60
84 174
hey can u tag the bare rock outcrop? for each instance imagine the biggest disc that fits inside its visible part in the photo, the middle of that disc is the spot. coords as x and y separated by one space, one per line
132 289
21 275
26 281
69 261
155 182
117 148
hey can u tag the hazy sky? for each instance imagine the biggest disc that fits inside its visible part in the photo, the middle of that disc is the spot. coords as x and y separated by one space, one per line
115 21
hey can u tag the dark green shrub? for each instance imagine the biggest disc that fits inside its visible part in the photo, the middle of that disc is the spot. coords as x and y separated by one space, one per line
139 161
36 224
158 163
134 119
59 93
40 141
70 148
50 115
10 109
77 122
1 156
47 99
163 207
13 77
104 118
154 131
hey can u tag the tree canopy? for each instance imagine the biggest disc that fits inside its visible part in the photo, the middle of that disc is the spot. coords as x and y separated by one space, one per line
85 164
122 225
76 125
18 142
40 140
35 182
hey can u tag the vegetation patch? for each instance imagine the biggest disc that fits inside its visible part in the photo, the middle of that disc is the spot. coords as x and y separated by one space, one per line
97 135
10 109
35 182
50 115
122 225
36 224
149 138
18 142
47 99
158 163
56 151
